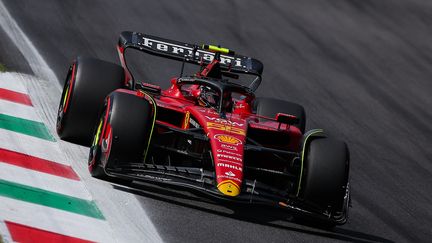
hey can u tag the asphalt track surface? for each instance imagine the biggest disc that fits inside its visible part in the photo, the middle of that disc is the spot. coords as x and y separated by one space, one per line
361 68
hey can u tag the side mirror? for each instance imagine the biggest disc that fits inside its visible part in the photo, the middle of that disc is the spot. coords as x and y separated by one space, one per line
286 119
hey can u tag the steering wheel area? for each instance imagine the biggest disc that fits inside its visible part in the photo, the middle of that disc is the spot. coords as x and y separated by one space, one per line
214 93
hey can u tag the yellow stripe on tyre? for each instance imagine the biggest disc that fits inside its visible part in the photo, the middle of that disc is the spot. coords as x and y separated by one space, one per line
98 132
302 157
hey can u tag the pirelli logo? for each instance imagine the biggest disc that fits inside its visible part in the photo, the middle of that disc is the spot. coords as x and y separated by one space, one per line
222 127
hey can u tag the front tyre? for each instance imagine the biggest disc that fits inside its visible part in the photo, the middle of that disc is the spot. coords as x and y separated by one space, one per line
123 133
324 180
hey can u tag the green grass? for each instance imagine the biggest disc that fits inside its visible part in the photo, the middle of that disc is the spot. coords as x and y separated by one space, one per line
2 68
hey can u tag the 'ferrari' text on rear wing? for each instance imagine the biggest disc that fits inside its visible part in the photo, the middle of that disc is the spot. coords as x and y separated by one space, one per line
187 52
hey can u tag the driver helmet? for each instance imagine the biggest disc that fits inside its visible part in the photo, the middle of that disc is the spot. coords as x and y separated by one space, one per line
208 97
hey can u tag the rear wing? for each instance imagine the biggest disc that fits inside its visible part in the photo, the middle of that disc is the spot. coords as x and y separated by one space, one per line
185 52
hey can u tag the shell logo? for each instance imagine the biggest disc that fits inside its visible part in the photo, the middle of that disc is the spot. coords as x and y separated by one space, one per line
228 139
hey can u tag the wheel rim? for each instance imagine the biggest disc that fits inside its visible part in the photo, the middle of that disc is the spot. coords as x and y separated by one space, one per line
96 146
66 96
94 149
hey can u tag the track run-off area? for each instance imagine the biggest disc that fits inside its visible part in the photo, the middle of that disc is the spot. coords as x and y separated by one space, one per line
361 68
42 197
43 192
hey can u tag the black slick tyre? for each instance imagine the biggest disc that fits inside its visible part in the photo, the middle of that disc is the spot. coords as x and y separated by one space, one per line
87 84
325 174
123 133
269 107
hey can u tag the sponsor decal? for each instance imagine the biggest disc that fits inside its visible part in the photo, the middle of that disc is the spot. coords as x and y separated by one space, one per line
183 50
222 127
229 157
228 152
230 147
186 120
235 167
230 173
223 121
228 177
194 123
230 162
267 127
206 110
239 105
227 139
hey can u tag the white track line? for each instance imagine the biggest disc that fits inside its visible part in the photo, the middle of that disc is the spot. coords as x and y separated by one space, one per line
6 82
31 146
18 110
31 54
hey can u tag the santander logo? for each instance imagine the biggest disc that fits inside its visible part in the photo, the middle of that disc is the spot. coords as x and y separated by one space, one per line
223 121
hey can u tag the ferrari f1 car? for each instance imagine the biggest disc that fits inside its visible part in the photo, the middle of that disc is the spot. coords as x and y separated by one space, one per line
206 132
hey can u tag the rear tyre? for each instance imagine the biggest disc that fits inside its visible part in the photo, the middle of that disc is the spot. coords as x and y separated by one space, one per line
325 176
123 133
87 84
269 107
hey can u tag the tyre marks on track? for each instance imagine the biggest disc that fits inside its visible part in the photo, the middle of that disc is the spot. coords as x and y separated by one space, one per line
42 199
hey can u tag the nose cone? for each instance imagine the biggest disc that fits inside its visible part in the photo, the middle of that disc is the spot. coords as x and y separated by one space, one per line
229 188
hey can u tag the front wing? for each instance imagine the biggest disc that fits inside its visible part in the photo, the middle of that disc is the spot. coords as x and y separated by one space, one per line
202 181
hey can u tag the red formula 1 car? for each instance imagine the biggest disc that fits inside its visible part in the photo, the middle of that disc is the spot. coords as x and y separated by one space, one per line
206 132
